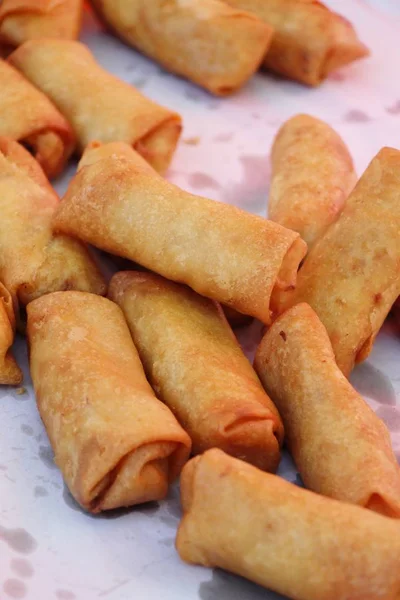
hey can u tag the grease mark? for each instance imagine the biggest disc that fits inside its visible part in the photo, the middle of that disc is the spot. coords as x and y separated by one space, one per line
65 595
356 116
46 455
169 542
22 567
223 138
18 539
394 109
27 429
202 180
14 588
40 491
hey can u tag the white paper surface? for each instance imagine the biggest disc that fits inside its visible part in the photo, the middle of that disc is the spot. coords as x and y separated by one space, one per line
48 547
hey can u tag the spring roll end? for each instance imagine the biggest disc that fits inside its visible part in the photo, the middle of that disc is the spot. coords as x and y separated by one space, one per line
287 276
141 476
158 146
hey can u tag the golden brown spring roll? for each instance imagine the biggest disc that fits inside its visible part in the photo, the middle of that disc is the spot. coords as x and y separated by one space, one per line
34 261
196 366
341 448
98 105
27 116
10 373
312 176
219 47
114 441
283 537
351 275
22 20
122 206
309 42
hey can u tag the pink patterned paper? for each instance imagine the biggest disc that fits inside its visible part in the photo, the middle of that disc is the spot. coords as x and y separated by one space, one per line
50 549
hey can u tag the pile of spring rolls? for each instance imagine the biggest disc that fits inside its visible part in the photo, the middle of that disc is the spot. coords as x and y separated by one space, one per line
217 44
134 377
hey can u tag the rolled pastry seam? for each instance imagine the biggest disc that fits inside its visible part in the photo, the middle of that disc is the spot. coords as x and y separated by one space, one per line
33 260
309 42
114 441
299 544
196 366
219 47
22 20
340 447
224 253
312 176
351 275
34 121
98 105
10 373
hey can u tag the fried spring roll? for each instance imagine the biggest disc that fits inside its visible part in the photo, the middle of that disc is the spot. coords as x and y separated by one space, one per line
22 20
114 441
341 448
309 42
312 176
98 105
219 47
27 116
283 537
10 373
124 207
196 366
351 275
34 261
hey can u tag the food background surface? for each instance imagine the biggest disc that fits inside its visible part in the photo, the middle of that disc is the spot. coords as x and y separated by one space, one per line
48 547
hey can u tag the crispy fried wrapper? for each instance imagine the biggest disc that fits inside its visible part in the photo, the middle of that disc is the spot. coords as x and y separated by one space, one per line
351 275
299 544
30 118
340 447
219 47
98 105
22 20
122 206
10 373
114 441
33 260
312 177
309 42
196 366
